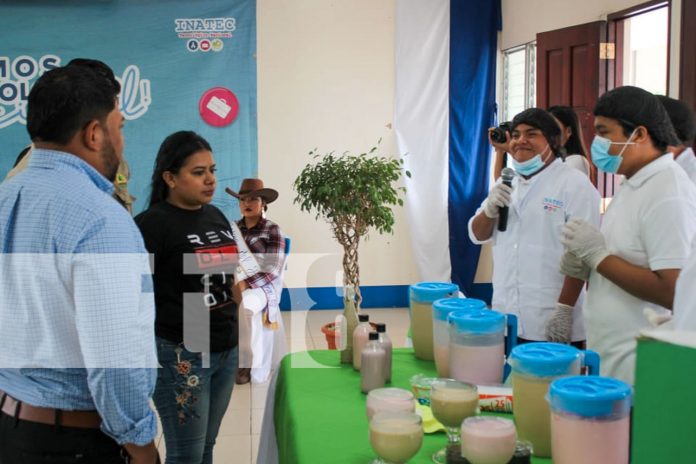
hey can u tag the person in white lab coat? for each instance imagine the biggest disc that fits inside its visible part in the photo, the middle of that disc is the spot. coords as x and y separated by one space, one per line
682 118
634 261
544 195
685 295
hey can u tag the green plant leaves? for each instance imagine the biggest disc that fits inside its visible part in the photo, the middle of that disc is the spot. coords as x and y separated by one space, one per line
352 192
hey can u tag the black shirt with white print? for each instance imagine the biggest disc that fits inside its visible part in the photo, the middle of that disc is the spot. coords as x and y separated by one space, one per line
200 241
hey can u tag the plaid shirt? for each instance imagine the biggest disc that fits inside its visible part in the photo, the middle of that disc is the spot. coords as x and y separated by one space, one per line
91 306
267 243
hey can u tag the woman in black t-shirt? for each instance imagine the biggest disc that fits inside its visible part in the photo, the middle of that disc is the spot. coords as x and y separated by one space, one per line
196 315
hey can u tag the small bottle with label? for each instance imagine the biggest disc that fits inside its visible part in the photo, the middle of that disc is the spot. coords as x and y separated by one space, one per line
360 336
386 343
372 364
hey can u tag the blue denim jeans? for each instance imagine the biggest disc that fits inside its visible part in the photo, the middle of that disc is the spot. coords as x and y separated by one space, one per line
191 400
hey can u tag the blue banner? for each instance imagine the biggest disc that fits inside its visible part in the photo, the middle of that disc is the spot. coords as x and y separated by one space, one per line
182 66
473 48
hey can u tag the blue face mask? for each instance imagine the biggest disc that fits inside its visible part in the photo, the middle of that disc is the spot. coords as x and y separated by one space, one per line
600 153
531 166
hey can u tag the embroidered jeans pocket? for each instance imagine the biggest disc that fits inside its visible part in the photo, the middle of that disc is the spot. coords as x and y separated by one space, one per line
181 377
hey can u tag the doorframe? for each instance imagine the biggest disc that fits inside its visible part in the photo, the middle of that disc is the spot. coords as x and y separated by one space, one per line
687 54
615 35
639 9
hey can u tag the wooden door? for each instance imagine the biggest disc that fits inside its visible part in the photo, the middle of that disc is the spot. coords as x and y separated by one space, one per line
571 72
687 60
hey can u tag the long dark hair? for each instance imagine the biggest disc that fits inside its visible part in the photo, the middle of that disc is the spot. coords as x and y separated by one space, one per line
171 156
542 120
575 145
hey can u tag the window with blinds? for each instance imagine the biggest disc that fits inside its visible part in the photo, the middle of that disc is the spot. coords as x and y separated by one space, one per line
519 80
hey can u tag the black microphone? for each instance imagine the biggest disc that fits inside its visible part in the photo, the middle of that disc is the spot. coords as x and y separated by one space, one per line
507 174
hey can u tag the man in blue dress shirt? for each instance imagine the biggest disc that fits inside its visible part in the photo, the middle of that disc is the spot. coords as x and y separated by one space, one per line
77 349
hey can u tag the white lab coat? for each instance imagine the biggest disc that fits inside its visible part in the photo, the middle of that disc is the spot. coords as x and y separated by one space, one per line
687 161
650 223
526 257
685 295
578 162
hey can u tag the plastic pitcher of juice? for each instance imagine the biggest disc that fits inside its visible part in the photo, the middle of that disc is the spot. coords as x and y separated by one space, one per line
534 367
590 420
478 345
441 309
421 298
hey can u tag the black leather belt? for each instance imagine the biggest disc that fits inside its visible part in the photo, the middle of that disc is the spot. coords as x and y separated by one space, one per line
50 416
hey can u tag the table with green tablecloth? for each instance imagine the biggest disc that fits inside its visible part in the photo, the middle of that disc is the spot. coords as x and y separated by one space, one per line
319 410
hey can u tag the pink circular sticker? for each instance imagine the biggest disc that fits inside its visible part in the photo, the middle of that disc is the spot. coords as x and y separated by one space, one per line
218 107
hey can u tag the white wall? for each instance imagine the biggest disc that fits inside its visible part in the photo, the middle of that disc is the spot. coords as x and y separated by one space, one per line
326 80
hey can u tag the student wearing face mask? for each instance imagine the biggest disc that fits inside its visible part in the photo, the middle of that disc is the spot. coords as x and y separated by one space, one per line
634 260
544 195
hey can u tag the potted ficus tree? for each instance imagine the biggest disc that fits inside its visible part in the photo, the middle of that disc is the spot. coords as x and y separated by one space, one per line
355 195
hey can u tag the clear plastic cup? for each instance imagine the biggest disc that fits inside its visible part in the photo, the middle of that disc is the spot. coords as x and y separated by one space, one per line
420 386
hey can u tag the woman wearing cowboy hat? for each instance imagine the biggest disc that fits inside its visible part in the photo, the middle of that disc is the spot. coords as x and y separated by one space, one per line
261 289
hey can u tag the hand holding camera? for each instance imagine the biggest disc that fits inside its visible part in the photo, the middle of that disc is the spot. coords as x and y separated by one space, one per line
499 136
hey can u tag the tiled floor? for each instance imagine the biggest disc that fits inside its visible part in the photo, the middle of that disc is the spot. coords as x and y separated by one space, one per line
238 440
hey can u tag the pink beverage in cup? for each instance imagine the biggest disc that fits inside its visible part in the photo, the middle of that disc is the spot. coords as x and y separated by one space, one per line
488 440
389 400
590 420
